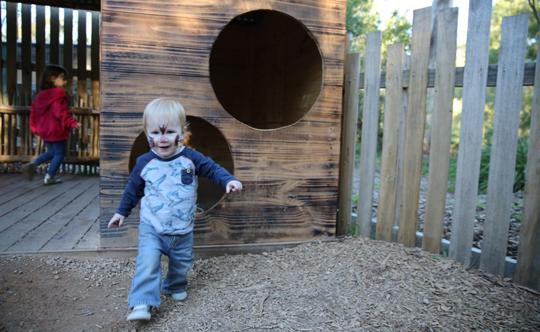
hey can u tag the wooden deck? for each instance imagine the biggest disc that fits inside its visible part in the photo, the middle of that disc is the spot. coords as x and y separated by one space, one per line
36 218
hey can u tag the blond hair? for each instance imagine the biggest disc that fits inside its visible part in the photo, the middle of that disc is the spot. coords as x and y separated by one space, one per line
166 111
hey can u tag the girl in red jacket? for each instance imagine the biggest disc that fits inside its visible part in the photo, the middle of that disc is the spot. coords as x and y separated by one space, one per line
50 119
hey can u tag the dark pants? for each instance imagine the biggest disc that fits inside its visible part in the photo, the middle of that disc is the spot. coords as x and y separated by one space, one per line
55 153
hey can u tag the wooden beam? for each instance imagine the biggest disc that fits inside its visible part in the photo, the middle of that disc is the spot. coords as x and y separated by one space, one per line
75 4
528 78
348 141
11 58
26 55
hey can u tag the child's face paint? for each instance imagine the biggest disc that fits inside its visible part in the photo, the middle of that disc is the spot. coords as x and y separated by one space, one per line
164 139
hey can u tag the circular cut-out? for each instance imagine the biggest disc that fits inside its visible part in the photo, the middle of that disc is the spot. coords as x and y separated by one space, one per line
206 139
266 69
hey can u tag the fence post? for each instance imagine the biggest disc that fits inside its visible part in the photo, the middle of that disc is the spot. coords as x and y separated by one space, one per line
11 52
414 127
389 173
441 129
502 161
348 139
370 126
528 262
470 141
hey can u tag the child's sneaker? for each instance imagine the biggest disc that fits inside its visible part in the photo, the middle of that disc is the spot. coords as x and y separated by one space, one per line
29 170
181 296
139 312
51 180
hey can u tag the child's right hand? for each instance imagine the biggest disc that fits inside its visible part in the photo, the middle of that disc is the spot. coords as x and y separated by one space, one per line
116 221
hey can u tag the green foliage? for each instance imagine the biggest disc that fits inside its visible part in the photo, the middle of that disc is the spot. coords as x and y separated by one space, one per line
397 30
510 8
361 19
521 163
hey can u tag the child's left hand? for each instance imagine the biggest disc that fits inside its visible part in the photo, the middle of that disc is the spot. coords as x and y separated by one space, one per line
233 186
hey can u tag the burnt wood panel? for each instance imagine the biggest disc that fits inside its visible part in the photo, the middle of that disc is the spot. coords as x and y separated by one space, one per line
162 49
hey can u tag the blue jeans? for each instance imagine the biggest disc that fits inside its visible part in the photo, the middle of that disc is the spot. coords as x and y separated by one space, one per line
146 285
55 152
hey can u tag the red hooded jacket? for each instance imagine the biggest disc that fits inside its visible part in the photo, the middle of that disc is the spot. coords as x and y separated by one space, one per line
50 118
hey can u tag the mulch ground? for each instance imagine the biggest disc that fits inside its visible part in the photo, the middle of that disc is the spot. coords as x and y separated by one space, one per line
349 285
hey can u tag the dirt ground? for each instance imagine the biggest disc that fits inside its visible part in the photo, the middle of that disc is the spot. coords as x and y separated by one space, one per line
349 285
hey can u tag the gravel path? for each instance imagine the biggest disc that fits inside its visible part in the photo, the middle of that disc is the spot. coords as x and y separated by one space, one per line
349 285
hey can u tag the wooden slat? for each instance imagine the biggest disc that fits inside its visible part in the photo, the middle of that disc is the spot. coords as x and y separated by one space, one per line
81 60
528 261
414 127
14 235
26 52
68 41
43 196
3 99
75 226
18 194
36 239
348 141
392 111
95 61
441 133
95 136
4 133
90 239
472 118
11 58
502 163
370 126
40 42
54 46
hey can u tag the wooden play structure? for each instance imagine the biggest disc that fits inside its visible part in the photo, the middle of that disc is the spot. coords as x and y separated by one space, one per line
261 81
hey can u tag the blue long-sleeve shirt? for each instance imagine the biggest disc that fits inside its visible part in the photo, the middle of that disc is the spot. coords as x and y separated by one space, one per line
167 189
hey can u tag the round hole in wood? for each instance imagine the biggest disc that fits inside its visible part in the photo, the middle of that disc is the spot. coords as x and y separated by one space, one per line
206 139
266 69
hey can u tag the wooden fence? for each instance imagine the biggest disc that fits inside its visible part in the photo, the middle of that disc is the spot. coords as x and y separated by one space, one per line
406 90
25 51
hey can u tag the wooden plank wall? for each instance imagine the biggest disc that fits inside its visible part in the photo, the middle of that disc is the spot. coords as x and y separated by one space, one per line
399 190
290 174
23 72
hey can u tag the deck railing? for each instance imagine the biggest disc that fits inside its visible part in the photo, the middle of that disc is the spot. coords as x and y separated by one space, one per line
18 144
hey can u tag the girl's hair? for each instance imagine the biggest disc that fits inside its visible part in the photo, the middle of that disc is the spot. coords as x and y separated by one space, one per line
45 82
164 110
